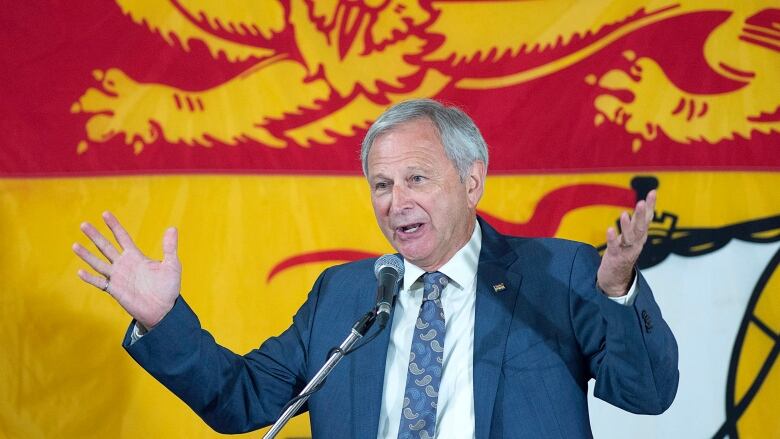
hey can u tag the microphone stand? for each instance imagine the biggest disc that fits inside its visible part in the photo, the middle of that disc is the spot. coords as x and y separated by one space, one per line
359 329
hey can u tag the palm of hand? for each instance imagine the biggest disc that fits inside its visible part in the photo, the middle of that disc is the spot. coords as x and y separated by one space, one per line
145 287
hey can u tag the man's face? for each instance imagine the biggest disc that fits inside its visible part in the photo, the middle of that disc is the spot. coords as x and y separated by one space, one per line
423 208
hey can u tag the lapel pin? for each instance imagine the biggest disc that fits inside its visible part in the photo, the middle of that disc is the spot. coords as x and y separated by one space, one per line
499 287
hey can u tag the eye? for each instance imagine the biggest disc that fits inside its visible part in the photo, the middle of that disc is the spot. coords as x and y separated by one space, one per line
417 178
381 185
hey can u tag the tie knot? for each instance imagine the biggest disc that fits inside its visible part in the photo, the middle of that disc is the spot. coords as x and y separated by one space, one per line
433 284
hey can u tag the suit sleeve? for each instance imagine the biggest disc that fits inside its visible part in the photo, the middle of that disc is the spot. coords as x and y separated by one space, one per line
630 350
231 393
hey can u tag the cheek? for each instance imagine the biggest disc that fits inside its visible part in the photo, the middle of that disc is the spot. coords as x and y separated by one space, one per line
380 208
450 209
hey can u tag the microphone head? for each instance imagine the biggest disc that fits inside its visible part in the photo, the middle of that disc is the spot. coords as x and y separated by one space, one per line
390 261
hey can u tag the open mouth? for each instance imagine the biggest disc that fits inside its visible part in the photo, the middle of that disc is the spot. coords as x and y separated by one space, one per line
409 229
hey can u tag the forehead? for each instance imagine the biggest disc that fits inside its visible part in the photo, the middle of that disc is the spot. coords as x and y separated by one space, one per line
413 141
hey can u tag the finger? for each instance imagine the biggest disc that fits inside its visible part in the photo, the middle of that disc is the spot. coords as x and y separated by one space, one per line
98 282
96 263
121 235
170 244
626 234
100 241
640 221
651 199
612 238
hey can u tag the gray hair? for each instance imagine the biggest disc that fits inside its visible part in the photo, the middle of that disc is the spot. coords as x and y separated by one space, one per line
463 143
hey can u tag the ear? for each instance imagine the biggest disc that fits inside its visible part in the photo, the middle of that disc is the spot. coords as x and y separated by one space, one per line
475 183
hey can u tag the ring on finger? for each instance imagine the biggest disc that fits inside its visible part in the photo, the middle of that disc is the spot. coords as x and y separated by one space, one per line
105 287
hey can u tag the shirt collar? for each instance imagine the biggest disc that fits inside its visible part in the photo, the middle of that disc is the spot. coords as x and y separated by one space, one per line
461 269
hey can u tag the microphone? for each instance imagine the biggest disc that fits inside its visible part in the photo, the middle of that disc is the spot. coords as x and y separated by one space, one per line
389 270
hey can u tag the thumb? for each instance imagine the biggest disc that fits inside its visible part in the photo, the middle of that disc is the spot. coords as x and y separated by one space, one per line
170 244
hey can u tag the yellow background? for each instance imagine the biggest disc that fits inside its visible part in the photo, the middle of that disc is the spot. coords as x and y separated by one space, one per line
63 372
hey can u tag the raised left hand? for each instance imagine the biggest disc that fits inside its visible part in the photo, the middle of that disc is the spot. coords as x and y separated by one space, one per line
617 264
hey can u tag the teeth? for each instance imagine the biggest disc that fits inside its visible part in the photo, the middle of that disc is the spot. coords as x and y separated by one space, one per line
411 229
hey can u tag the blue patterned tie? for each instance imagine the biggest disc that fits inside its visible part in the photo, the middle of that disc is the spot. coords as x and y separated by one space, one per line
418 416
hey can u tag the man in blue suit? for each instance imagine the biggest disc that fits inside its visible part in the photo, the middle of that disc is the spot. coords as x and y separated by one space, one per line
525 322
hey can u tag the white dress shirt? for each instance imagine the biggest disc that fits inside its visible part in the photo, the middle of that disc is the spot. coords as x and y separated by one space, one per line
455 412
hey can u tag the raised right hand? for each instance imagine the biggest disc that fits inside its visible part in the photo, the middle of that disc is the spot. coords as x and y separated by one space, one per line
146 289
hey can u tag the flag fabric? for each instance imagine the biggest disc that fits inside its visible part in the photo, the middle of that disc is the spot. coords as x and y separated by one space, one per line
240 124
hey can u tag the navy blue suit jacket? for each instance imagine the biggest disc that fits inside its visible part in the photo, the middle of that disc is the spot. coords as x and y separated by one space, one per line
536 344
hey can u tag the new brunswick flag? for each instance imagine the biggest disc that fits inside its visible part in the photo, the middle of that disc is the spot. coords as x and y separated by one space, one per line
240 122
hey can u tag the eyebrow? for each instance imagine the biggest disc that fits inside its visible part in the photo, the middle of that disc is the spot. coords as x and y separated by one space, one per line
408 169
417 168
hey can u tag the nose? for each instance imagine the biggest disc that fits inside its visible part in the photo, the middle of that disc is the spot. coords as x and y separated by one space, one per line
402 199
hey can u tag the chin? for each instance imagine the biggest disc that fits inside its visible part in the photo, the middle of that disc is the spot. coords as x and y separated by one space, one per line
407 252
415 257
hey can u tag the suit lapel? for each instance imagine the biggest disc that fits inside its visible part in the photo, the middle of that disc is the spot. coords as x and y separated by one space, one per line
497 289
368 372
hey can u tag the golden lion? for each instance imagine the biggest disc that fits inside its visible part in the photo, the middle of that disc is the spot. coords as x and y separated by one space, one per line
349 59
